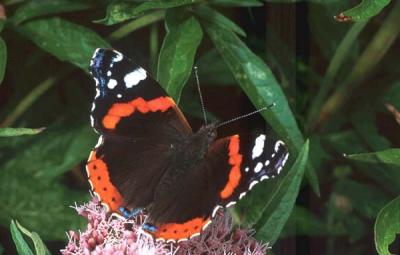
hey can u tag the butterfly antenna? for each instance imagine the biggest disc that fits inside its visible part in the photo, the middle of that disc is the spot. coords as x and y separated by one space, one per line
201 96
246 115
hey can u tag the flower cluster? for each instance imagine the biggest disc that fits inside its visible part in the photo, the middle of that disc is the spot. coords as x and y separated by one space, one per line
110 235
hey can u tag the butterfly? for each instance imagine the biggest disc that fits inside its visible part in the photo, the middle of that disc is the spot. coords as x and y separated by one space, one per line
148 157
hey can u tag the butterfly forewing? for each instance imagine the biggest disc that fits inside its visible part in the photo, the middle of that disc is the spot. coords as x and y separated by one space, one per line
138 122
129 102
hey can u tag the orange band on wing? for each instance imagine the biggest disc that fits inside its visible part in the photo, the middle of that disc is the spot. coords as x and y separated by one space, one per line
99 178
121 110
235 160
181 231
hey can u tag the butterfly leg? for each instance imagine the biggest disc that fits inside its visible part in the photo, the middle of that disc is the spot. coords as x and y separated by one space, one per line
129 213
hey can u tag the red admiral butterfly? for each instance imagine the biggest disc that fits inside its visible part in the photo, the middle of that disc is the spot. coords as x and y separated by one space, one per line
148 157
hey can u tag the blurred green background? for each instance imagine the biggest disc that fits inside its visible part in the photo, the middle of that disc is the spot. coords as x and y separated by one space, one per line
330 66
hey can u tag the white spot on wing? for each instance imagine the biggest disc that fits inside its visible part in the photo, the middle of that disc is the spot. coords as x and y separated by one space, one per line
242 195
215 211
180 240
93 107
91 121
88 175
252 184
112 83
97 93
95 52
278 144
246 169
258 167
230 204
206 225
267 163
119 95
99 142
118 57
264 177
258 147
279 169
194 235
285 159
109 73
133 78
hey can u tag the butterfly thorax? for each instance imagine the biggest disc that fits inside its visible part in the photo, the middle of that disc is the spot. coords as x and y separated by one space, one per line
189 153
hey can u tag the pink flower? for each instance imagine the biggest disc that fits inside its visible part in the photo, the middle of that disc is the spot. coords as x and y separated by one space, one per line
111 235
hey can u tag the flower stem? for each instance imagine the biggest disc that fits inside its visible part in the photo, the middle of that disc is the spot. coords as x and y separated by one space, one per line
136 24
154 46
328 82
371 56
29 99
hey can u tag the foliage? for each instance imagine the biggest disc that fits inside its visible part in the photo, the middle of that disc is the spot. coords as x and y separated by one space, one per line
334 97
385 228
22 246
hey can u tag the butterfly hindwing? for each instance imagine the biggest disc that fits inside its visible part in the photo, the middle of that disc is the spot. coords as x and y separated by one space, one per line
230 169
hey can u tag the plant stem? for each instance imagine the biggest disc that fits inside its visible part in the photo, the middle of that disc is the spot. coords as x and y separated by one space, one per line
154 46
334 66
136 24
29 99
371 56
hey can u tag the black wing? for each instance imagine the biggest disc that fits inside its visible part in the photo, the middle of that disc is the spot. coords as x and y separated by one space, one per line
138 123
129 102
231 168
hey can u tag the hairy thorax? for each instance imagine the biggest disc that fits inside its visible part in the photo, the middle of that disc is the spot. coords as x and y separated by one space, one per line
189 153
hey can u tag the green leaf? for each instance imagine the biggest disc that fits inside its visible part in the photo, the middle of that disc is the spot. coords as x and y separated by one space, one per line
326 32
62 149
213 16
33 165
7 132
260 85
258 82
177 53
121 11
239 3
278 210
366 9
387 225
37 8
65 40
390 157
136 24
213 70
3 59
20 243
40 247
